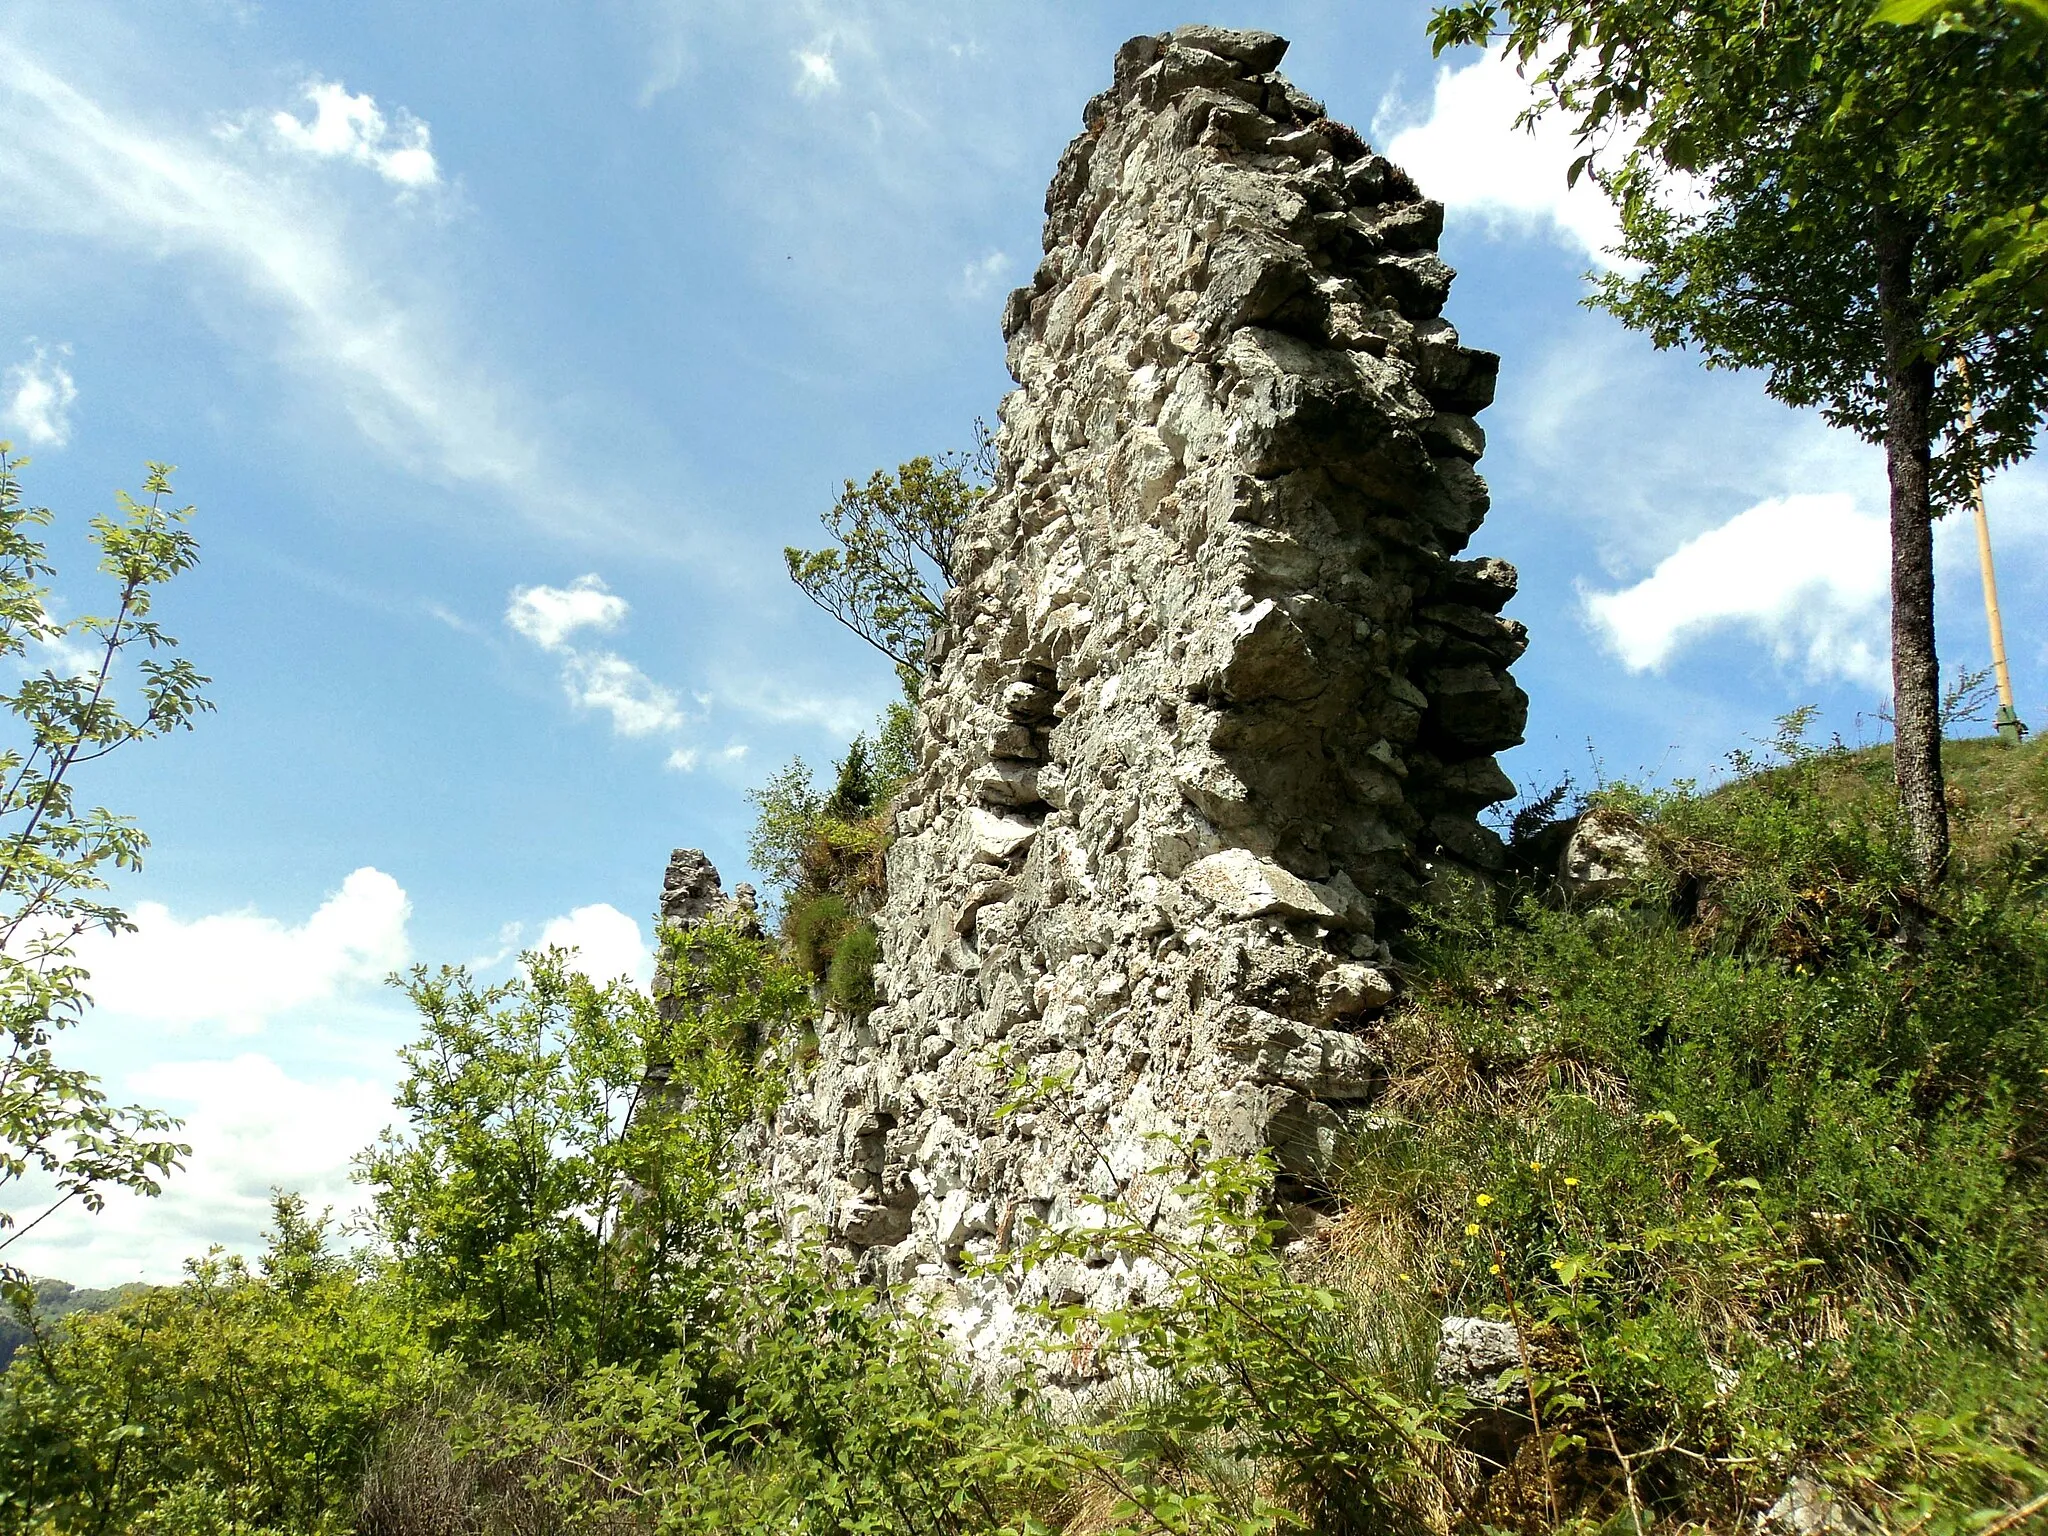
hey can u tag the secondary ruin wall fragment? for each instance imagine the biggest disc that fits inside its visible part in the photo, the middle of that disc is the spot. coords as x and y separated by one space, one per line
1215 690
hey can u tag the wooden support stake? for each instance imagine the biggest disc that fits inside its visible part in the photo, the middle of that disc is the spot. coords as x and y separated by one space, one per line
2010 727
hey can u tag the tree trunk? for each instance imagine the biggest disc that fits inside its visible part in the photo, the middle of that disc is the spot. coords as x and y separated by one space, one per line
1916 671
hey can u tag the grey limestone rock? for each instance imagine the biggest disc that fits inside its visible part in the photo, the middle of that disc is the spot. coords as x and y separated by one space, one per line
1605 855
1216 689
1810 1508
1474 1354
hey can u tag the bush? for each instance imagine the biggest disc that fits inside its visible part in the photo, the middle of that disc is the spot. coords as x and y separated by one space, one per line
813 927
237 1402
809 844
1755 1159
850 985
1752 1161
562 1195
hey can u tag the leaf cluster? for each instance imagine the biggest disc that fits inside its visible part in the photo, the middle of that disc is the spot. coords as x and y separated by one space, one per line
235 1403
112 682
1765 157
891 560
562 1193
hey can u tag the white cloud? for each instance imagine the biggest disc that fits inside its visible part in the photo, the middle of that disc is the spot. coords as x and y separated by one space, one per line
638 705
1470 156
353 128
686 759
106 175
251 1126
768 698
549 615
979 279
1805 574
816 73
36 399
236 971
608 944
602 680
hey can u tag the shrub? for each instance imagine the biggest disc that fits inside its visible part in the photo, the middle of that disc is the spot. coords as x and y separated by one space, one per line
562 1194
234 1402
1752 1161
850 985
813 927
1755 1159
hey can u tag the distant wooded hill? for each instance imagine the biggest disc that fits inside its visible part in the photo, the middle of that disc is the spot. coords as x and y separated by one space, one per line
54 1299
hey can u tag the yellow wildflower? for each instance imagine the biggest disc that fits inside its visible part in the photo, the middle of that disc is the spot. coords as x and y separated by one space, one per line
1471 1229
1483 1201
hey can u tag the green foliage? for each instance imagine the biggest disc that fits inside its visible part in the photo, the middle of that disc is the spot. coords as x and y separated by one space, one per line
816 1409
785 809
1751 1158
1848 206
55 854
813 926
813 845
855 793
886 572
895 749
233 1404
1255 1399
43 1302
1755 1159
850 983
1762 158
561 1194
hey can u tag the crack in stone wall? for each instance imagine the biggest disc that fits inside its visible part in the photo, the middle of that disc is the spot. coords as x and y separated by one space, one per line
1214 691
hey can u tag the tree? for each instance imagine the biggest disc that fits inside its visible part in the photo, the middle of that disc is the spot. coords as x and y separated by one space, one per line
546 1205
55 855
886 574
1807 192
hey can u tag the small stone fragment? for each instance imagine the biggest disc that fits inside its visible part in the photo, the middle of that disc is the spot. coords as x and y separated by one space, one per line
1606 855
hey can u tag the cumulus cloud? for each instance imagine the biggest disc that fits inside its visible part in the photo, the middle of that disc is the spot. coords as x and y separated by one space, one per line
236 971
607 943
816 73
36 396
604 680
354 128
594 679
549 615
1470 155
1807 575
251 1125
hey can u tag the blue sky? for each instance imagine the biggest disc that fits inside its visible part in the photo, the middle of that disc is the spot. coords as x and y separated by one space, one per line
503 347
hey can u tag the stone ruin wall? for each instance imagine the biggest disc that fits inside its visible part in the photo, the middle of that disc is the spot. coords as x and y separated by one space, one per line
1214 691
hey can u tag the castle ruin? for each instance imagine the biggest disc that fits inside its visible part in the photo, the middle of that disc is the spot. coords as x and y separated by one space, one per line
1216 690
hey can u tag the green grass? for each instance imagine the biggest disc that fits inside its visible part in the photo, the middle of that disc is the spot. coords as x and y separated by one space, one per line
1755 1156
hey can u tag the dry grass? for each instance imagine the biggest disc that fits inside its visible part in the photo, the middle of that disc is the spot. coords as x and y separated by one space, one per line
419 1483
